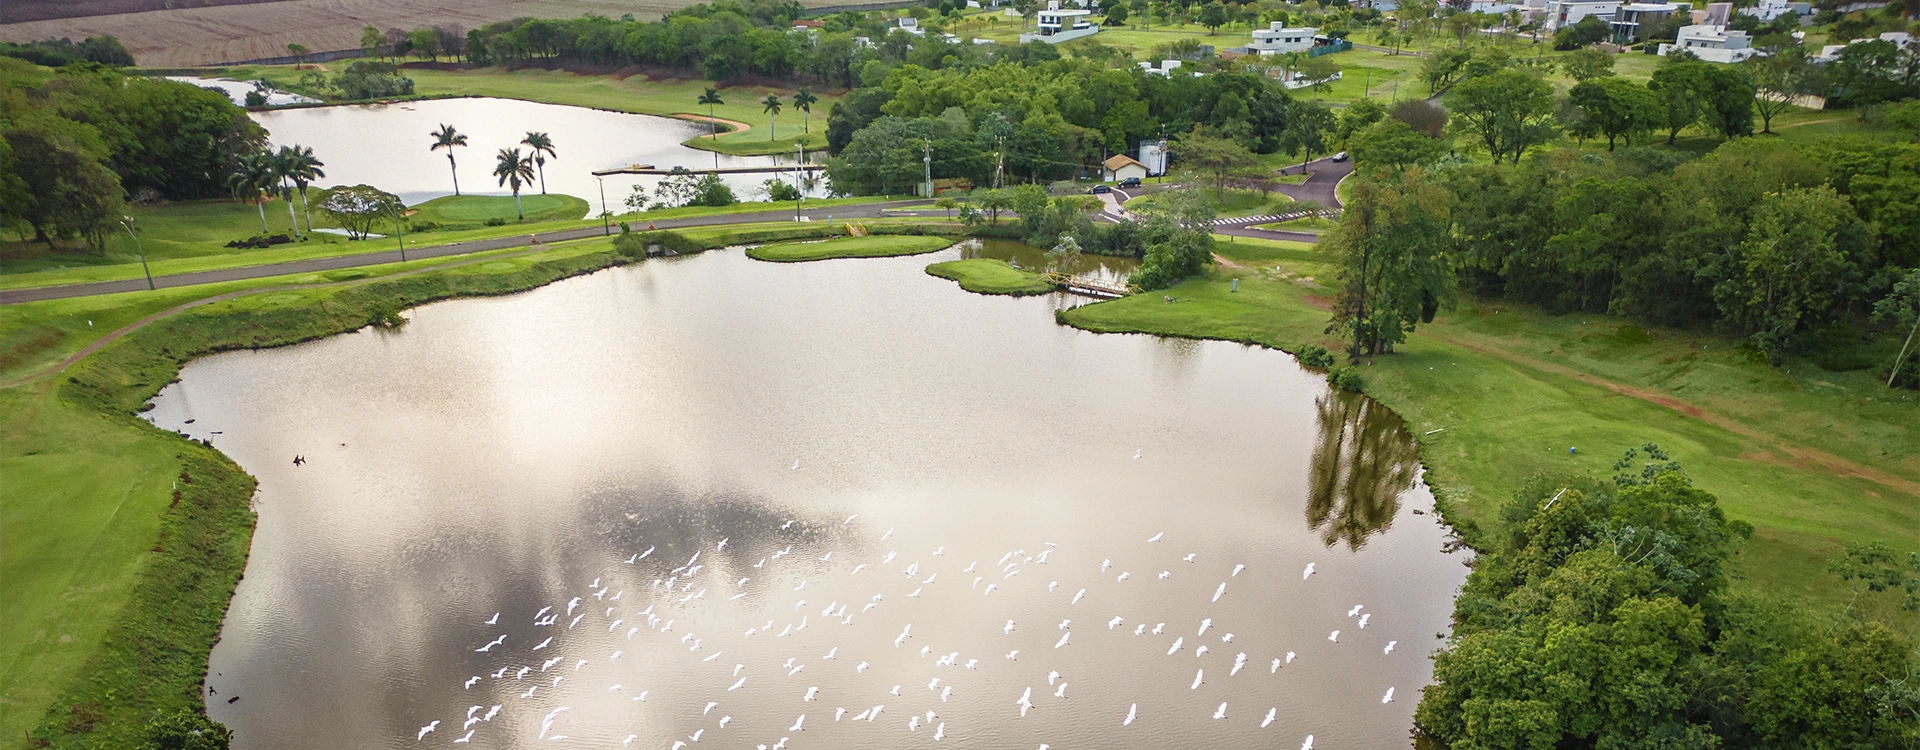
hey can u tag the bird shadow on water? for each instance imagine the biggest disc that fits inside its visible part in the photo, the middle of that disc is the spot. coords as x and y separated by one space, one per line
1362 462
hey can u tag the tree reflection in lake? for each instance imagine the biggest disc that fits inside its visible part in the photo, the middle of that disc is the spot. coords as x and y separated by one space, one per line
1362 462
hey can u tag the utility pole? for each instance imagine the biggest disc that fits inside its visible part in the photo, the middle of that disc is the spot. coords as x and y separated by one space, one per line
606 219
799 169
127 221
927 160
1000 165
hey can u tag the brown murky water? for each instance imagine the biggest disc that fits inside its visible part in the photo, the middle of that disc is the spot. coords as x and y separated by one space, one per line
707 497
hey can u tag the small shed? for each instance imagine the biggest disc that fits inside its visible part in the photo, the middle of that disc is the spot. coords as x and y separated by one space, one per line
1122 167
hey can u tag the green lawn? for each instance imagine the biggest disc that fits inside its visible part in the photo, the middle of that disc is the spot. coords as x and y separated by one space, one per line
991 276
1234 202
1497 393
477 209
638 94
1314 224
876 246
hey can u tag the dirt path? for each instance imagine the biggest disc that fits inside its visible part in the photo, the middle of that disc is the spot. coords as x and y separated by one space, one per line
738 126
1802 457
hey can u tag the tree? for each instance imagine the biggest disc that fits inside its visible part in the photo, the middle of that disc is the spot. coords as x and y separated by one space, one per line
370 41
301 167
1306 130
1681 86
1728 99
1901 309
283 162
356 208
803 100
58 184
1420 115
1213 16
1508 111
711 98
446 137
1320 71
540 148
771 107
1587 63
298 51
251 181
1117 14
370 79
1218 158
1779 78
1793 266
513 171
1391 248
1391 144
1617 107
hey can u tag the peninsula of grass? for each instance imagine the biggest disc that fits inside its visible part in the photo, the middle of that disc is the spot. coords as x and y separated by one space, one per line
879 246
1498 393
992 276
478 209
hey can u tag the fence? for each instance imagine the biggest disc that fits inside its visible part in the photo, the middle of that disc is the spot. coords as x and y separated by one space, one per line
1339 45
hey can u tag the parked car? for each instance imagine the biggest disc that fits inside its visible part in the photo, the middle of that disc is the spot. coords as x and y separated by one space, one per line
1130 182
1342 156
1101 189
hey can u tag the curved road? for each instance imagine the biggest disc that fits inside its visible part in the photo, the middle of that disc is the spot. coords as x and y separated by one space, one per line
335 262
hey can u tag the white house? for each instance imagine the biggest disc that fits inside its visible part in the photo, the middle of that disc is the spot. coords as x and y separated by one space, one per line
1166 67
1059 25
1768 10
1564 13
1278 38
910 25
1900 39
1294 79
1712 43
1123 167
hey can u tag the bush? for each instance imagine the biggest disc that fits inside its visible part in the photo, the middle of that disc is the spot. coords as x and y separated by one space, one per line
369 79
187 729
260 241
635 245
256 99
1315 356
1345 377
496 222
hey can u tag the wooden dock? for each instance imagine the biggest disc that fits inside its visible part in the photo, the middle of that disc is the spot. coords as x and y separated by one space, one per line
1090 288
649 169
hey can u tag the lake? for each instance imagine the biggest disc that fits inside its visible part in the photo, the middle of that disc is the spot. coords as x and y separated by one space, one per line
386 146
237 90
840 504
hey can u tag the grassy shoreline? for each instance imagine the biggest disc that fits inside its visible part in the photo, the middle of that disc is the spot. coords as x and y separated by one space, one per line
872 246
991 276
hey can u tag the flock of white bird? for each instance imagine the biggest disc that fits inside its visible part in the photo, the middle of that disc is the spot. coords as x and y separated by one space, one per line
604 611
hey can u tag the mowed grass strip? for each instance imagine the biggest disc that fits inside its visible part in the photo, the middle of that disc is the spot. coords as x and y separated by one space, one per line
475 209
849 247
992 276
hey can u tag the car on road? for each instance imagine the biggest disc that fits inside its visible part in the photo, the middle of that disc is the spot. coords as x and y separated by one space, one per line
1342 156
1130 182
1100 190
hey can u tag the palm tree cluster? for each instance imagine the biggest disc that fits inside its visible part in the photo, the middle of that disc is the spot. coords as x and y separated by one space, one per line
261 175
513 169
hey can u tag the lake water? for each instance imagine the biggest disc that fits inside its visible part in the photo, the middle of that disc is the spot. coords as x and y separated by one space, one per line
237 90
706 497
387 146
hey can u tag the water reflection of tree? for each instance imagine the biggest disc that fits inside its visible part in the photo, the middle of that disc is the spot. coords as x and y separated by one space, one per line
1362 462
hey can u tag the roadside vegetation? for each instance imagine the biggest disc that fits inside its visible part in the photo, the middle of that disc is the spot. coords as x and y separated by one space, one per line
992 276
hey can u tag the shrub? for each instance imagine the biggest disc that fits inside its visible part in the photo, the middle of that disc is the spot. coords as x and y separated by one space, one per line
1315 356
1345 377
260 241
496 222
635 245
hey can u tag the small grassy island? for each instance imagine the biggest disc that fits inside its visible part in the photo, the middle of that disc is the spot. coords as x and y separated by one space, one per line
991 276
848 247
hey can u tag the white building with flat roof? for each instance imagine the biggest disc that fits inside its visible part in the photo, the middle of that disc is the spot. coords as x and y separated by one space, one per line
1278 39
1768 10
1058 24
1564 13
1712 43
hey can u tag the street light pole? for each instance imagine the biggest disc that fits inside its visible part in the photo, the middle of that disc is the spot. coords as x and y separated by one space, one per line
127 221
799 169
606 227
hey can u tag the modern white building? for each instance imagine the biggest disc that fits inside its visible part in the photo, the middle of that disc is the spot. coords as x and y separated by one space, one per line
1768 10
1165 68
1059 25
1712 43
1900 39
1631 20
1564 13
1278 38
910 25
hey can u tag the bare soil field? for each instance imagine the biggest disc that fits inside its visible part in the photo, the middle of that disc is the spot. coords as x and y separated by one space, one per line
20 11
197 36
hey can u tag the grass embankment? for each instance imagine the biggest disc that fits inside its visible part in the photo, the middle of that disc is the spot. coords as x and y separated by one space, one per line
991 276
192 236
1310 224
1497 393
637 94
1234 202
849 247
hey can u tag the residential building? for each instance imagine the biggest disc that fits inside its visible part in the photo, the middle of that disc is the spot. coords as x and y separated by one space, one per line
1768 10
1165 68
1123 167
1565 13
1900 39
1712 43
910 25
1278 38
1632 20
1058 24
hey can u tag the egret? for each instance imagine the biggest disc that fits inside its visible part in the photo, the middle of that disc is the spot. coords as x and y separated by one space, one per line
1389 648
1303 576
1363 620
796 724
812 691
1221 713
1236 570
1062 692
1156 537
1269 720
940 732
1013 655
465 738
1008 629
1388 698
1189 557
1204 624
1131 710
495 619
1197 674
1222 590
1176 645
1063 639
1356 610
1334 636
428 729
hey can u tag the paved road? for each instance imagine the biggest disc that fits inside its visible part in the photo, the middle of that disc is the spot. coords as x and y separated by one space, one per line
13 296
1322 175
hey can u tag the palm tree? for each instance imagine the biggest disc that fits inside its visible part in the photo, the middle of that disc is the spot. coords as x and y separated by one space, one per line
710 98
539 146
282 162
771 106
803 100
303 169
514 171
251 180
446 137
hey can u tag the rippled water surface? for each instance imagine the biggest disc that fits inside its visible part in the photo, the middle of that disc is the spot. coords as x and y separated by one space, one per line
387 146
698 492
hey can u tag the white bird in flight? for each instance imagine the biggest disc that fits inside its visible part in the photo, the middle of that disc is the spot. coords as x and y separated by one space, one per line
1388 698
1222 590
1176 645
1156 537
495 619
1389 648
1363 620
1221 713
1271 712
1308 745
1197 675
1164 574
1131 710
1063 639
1076 597
428 729
1303 576
796 724
1334 636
